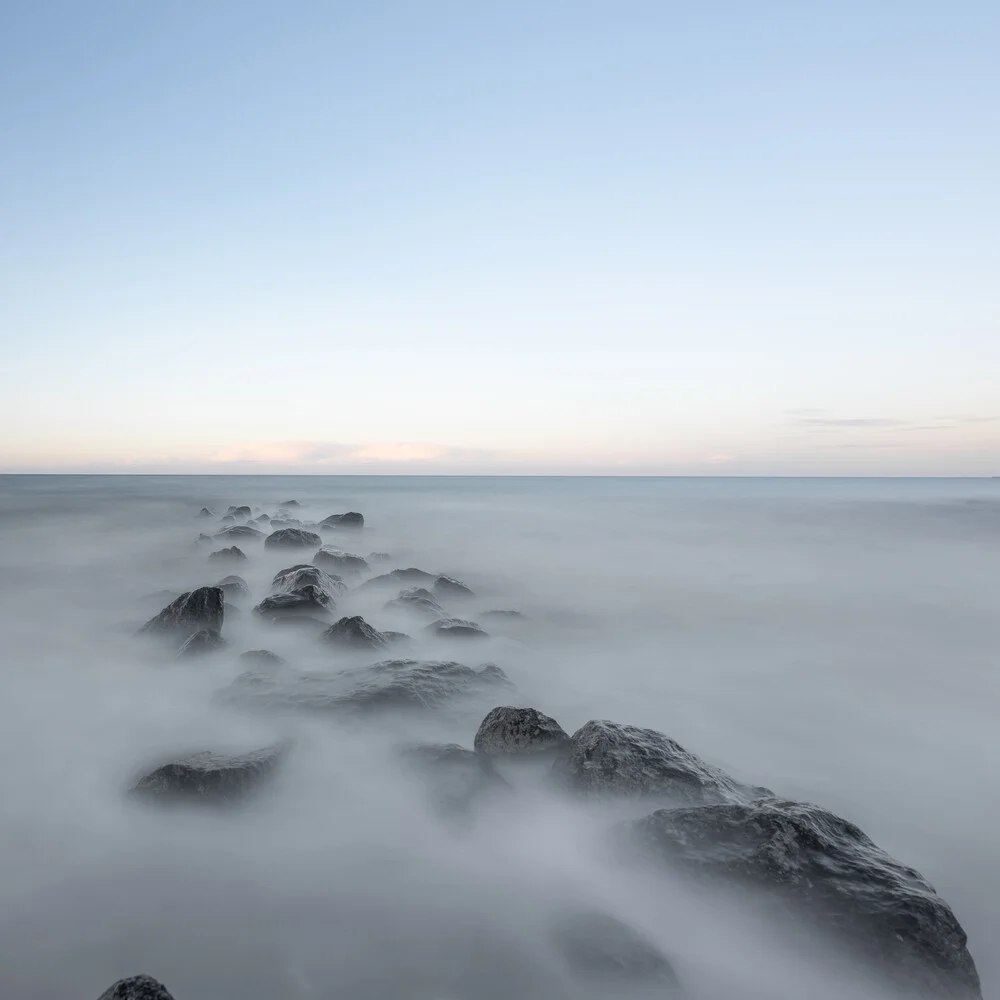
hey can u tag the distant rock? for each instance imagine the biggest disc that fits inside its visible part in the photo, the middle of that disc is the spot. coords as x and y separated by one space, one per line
605 758
504 615
232 554
234 587
240 512
285 521
205 512
201 642
302 574
211 777
456 628
520 731
419 600
227 519
290 503
262 658
203 538
352 519
355 633
238 531
379 557
136 988
309 601
263 519
292 538
191 612
456 777
448 586
822 866
332 558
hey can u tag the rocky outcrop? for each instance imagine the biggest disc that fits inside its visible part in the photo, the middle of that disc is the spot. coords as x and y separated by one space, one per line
234 587
825 867
352 519
419 600
329 557
191 612
302 575
519 731
235 532
354 633
292 538
201 642
448 586
210 776
136 988
456 628
232 554
606 758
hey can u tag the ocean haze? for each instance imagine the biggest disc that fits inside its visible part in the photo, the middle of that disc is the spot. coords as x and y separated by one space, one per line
834 640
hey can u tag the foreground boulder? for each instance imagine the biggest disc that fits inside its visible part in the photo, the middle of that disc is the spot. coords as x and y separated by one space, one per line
352 519
136 988
292 538
417 599
456 628
456 777
821 865
606 758
237 531
391 684
191 612
448 586
232 554
520 731
211 777
234 587
310 601
199 643
329 557
355 633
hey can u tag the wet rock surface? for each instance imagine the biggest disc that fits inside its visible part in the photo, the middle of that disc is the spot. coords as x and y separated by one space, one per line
191 612
827 868
234 587
355 633
201 642
448 586
340 561
136 988
352 519
519 731
292 538
303 575
309 601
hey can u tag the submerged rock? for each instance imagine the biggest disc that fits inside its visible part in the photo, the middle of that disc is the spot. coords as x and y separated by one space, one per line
456 628
290 503
504 615
211 776
355 633
242 511
352 519
262 658
205 512
136 988
417 599
201 642
302 575
227 519
606 758
522 731
826 867
236 531
411 576
292 538
448 586
234 587
284 521
263 519
191 612
232 554
456 777
333 558
379 557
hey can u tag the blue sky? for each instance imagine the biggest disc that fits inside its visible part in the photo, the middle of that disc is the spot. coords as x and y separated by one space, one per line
558 237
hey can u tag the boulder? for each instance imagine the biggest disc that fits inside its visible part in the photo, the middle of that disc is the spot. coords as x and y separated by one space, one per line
290 503
136 988
605 758
263 519
233 554
310 600
355 633
448 586
238 531
302 574
456 628
352 519
284 521
292 538
824 867
234 587
191 612
329 557
203 641
520 731
419 600
262 658
240 512
456 777
210 776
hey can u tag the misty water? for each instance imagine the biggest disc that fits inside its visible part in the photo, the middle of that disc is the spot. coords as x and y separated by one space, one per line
834 640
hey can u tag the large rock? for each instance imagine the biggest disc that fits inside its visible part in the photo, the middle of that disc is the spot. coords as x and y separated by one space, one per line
352 519
136 988
234 587
520 731
419 600
191 612
412 576
309 601
455 777
292 538
235 532
355 633
199 643
821 865
302 575
211 776
456 628
329 557
606 758
391 684
448 586
233 554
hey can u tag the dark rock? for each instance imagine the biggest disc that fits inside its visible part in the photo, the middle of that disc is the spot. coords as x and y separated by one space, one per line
136 988
448 586
210 776
456 777
391 684
232 554
417 599
262 658
201 642
191 612
309 600
522 731
355 633
205 512
283 521
456 628
599 947
290 503
242 511
819 864
337 559
263 519
302 575
234 587
605 758
504 615
292 538
352 519
237 531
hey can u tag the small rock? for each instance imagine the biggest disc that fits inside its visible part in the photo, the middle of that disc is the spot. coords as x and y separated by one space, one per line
456 628
234 587
309 600
227 519
189 613
136 988
236 531
448 586
504 615
333 558
284 521
302 574
290 503
292 538
202 642
262 658
521 731
240 512
355 633
417 599
352 519
205 512
232 554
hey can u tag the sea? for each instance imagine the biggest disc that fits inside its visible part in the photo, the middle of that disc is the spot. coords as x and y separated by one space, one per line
835 640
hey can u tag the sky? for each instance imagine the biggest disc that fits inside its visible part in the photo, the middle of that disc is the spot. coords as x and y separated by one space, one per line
536 236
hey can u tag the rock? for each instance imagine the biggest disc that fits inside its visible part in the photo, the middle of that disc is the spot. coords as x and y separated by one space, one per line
240 512
504 615
203 538
396 637
262 658
231 611
292 538
600 947
285 522
391 684
448 586
605 758
456 628
201 642
521 731
290 503
355 633
232 554
263 519
309 601
210 776
379 557
302 574
819 864
417 599
352 519
234 587
333 558
205 512
236 531
136 988
191 612
456 777
227 519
